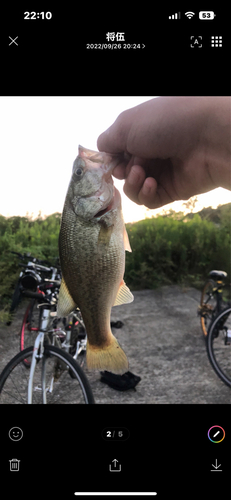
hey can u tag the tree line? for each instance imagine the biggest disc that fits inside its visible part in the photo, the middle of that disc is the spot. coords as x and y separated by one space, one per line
173 248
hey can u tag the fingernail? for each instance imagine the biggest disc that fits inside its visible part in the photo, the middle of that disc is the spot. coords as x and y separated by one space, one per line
146 189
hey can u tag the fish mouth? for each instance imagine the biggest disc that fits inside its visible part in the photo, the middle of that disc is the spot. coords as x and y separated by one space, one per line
104 211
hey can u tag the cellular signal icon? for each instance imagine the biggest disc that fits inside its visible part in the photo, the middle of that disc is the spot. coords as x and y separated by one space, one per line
175 16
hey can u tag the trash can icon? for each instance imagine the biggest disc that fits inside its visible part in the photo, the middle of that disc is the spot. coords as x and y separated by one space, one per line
14 464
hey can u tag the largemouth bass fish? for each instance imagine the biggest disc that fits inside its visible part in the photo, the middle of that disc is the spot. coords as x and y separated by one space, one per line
92 244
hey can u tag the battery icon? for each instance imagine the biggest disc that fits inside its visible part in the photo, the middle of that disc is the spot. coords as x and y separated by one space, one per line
207 15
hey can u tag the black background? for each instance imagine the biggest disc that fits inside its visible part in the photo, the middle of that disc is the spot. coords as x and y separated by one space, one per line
168 450
51 57
62 450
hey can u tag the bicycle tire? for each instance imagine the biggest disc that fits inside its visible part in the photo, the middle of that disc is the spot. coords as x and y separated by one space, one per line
16 388
213 334
17 297
210 310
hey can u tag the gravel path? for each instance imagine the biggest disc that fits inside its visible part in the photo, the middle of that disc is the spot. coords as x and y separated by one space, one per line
162 338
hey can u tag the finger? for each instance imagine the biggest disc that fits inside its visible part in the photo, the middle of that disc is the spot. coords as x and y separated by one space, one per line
134 183
114 139
148 194
120 171
111 141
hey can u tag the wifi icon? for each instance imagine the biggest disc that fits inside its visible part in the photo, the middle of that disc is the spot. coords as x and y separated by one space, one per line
190 14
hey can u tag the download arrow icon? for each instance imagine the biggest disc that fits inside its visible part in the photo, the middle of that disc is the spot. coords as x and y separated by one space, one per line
216 467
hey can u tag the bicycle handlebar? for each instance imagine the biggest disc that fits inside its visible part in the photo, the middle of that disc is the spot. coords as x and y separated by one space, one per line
20 255
36 261
33 295
51 285
38 267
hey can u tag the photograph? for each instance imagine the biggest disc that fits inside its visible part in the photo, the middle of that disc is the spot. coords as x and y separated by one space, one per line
115 249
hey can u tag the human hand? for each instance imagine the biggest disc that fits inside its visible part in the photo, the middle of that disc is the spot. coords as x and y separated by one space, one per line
171 148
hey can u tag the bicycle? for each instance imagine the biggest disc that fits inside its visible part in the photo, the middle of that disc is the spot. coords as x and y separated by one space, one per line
219 345
73 324
30 279
52 375
213 298
33 274
34 279
71 333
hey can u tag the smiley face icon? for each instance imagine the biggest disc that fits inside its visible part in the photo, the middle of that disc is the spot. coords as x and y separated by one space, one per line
15 434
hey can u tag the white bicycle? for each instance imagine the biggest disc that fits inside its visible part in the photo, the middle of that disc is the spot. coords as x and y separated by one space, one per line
46 372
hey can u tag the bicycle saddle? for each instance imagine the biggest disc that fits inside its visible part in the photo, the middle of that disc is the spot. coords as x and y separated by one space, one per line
218 275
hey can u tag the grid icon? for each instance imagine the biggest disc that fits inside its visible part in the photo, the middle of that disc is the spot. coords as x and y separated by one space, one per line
216 41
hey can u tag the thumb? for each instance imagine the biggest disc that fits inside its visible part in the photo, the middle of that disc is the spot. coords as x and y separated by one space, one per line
114 139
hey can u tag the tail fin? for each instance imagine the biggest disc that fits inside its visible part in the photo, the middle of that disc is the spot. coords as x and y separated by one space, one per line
111 358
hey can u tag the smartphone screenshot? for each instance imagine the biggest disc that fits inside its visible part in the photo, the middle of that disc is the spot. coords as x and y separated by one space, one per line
115 307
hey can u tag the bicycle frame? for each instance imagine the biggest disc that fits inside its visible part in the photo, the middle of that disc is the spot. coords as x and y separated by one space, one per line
39 343
39 350
218 292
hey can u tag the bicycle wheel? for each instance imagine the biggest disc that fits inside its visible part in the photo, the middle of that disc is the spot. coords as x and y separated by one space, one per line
56 373
208 305
219 345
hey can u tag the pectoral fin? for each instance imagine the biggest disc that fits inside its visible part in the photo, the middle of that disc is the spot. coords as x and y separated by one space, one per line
127 245
124 295
65 301
104 237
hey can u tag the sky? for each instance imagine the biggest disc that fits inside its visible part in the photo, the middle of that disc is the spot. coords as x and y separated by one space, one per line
39 142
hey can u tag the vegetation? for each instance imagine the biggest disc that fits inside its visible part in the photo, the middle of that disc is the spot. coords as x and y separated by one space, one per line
177 249
38 237
165 249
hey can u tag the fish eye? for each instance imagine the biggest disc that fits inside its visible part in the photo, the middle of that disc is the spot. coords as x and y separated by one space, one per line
78 167
78 171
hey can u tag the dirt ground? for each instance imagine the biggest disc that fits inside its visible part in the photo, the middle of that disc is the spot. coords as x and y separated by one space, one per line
163 341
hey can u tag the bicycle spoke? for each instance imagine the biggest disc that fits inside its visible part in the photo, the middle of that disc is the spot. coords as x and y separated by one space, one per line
219 346
55 376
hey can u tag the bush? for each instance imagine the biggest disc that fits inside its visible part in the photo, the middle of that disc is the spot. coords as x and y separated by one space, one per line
38 237
167 250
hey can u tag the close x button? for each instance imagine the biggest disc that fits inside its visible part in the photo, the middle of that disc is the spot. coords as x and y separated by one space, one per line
13 41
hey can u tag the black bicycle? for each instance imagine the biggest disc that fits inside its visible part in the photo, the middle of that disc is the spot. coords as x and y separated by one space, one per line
219 345
34 273
215 296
